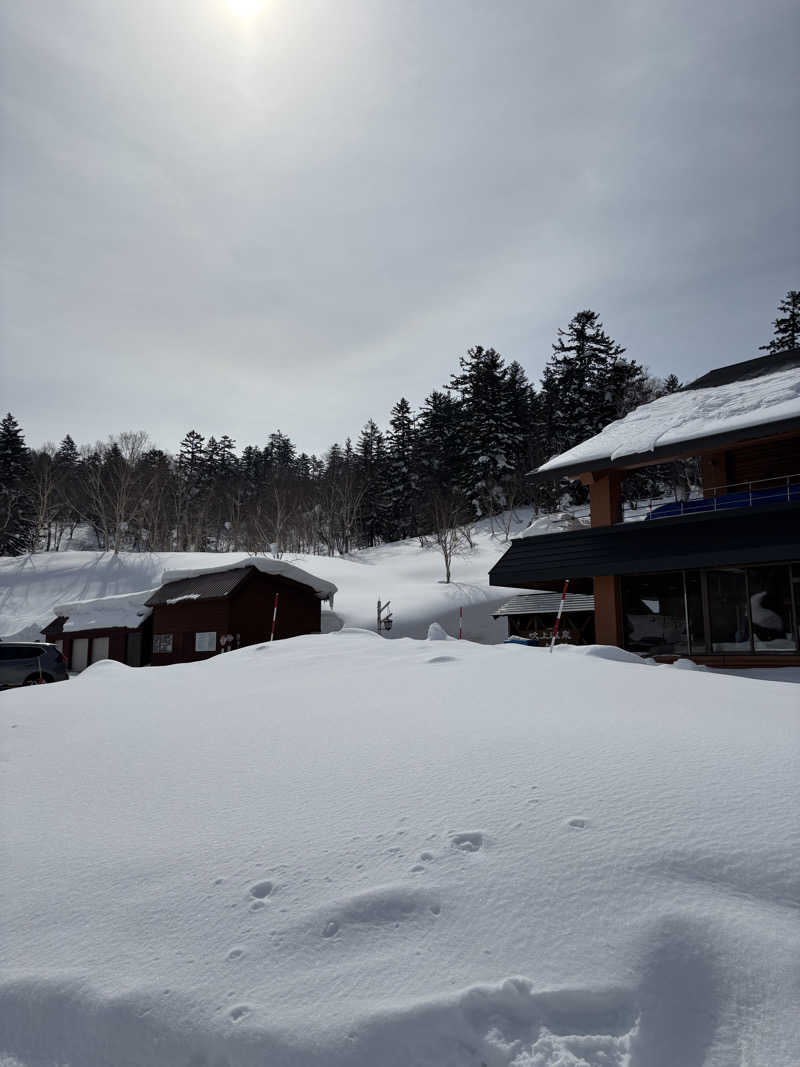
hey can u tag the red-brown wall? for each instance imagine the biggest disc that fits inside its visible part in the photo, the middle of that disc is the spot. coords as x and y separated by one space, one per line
247 611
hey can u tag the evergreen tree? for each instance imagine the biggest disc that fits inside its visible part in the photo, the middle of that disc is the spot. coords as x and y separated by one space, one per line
371 452
491 432
402 478
786 332
587 383
17 523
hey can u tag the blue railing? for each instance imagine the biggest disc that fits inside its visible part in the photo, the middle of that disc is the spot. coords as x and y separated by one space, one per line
740 495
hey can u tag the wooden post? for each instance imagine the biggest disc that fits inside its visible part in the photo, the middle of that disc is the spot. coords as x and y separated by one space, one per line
607 610
605 496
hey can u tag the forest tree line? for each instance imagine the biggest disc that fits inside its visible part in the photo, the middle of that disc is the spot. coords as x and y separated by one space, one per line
432 473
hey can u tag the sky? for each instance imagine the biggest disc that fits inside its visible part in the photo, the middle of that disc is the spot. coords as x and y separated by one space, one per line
235 216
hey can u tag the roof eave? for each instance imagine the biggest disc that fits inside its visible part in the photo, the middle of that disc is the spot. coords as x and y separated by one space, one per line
690 446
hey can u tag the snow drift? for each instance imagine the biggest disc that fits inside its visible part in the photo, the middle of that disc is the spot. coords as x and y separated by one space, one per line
343 850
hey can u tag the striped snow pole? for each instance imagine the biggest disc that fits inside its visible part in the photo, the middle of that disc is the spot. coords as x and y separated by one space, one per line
558 617
274 617
460 619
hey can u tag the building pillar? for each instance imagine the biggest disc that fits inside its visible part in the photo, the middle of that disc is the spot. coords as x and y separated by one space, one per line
607 610
605 497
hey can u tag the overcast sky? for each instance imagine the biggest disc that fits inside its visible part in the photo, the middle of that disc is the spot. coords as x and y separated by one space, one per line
292 218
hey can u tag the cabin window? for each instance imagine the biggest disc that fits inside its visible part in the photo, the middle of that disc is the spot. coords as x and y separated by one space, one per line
206 641
162 643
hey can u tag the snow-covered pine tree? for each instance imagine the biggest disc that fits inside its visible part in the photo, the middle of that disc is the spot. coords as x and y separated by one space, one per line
786 328
491 433
586 385
17 523
402 479
438 444
374 503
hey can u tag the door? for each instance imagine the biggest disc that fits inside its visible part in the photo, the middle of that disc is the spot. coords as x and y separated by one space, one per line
99 648
80 653
133 650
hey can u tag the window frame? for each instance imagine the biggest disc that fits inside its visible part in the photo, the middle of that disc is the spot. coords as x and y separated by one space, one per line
167 639
207 634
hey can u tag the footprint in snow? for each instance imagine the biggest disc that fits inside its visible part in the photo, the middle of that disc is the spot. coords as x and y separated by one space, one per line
578 824
238 1011
261 890
469 842
235 954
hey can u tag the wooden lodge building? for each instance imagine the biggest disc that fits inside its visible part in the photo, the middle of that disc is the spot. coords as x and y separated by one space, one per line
199 613
192 615
716 578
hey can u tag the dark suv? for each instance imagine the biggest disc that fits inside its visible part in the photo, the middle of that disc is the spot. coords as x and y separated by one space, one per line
30 663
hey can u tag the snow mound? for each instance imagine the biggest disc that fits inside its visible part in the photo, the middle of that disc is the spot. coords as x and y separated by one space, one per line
610 652
557 522
437 632
351 852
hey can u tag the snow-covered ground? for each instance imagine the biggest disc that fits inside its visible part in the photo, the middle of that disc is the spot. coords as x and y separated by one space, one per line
410 576
343 850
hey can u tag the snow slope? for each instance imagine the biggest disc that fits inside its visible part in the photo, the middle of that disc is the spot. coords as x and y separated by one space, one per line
343 850
410 576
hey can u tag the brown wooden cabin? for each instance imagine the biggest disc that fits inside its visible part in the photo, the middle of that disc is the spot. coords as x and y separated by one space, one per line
191 615
126 644
716 579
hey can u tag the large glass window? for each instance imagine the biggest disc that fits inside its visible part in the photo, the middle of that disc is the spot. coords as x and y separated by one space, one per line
771 608
654 614
694 610
747 609
727 608
206 641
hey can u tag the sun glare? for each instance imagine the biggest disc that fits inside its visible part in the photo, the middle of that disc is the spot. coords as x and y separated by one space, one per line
246 8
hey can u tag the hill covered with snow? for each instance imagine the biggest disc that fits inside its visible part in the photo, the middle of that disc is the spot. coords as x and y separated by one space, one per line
342 851
409 575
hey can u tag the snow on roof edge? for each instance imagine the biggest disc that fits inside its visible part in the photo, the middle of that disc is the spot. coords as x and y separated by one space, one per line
686 417
266 565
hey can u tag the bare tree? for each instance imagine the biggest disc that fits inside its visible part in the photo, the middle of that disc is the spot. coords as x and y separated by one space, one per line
447 513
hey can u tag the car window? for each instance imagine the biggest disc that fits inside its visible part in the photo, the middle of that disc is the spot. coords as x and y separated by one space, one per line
20 652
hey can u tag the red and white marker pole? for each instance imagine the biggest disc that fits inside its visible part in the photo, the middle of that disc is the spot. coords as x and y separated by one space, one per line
460 619
274 618
558 617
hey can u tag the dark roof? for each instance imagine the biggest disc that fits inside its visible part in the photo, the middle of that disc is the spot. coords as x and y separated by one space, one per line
709 539
545 604
747 370
201 587
56 626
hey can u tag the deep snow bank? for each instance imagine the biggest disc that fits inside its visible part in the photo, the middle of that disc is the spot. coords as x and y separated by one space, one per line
346 850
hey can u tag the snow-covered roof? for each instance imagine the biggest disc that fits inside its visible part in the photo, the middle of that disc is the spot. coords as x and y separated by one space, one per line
266 565
692 418
104 612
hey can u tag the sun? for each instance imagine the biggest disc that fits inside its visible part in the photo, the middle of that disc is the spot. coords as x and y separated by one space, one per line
246 8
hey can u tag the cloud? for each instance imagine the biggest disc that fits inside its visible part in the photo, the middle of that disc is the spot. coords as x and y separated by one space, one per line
293 220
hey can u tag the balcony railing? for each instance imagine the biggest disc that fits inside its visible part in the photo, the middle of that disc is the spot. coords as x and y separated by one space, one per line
752 494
